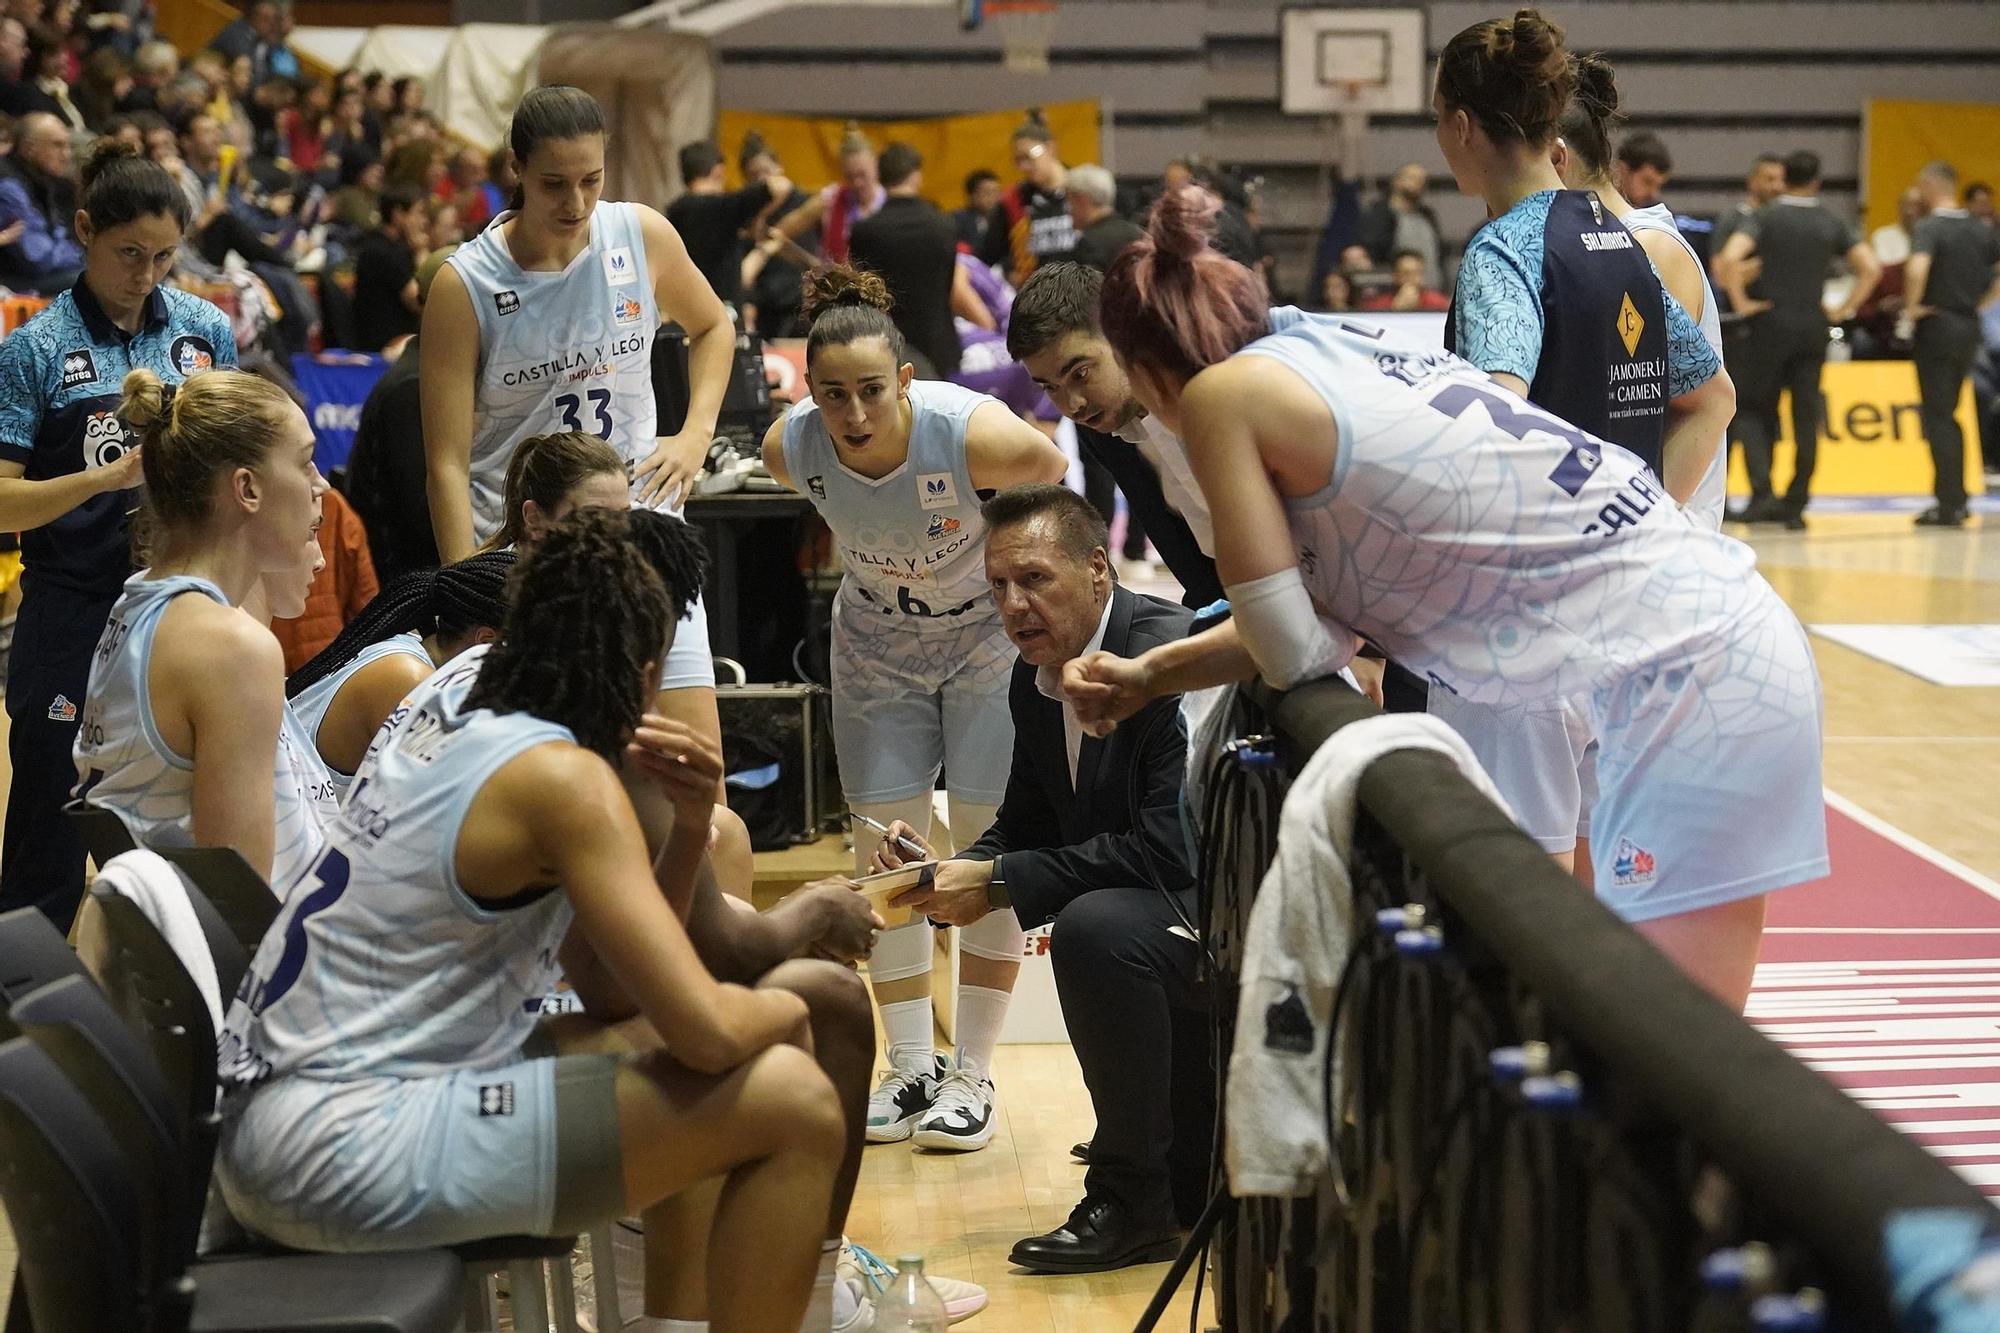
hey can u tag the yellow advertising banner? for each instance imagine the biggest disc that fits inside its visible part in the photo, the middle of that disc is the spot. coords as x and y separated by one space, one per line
1902 136
953 147
1872 440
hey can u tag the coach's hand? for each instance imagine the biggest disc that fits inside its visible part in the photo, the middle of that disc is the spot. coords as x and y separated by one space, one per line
848 925
889 856
667 475
956 897
683 763
1105 689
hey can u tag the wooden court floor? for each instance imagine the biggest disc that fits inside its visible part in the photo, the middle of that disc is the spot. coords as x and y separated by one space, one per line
1921 756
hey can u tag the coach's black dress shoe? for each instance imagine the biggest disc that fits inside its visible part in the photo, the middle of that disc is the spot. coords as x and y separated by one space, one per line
1101 1234
1937 516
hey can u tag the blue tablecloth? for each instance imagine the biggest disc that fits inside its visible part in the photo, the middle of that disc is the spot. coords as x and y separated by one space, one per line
335 385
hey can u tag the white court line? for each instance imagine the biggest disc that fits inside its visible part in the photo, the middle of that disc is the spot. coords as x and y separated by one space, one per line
1878 930
1876 824
1912 740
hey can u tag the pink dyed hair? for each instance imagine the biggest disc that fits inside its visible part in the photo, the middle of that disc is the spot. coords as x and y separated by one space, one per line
1171 302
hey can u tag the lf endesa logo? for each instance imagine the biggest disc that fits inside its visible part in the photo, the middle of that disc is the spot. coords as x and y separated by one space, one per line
1870 422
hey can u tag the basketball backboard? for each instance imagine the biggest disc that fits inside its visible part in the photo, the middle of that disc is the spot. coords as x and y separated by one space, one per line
1343 61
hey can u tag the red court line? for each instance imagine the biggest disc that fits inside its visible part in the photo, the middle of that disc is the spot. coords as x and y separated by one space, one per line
1907 1019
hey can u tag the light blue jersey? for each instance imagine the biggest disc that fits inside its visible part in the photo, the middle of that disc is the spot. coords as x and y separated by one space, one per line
381 964
1705 505
559 351
310 704
123 764
1516 561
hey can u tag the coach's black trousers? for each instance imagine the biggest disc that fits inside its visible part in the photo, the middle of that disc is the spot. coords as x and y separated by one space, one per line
1946 344
1128 976
1779 355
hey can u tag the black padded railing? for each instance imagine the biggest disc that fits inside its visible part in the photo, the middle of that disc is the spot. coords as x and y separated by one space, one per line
1635 1158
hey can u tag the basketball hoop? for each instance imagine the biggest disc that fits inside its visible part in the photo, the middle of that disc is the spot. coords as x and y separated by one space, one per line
1027 27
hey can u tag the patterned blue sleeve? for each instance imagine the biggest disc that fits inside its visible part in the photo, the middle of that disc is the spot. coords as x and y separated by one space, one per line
220 336
1499 303
22 396
1691 362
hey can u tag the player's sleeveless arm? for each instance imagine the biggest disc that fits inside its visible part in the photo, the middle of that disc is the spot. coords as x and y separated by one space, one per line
1499 306
1001 450
235 719
448 371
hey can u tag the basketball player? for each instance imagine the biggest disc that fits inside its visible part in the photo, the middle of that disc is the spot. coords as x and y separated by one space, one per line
1363 486
1556 301
184 753
415 625
413 1110
1582 157
896 467
545 322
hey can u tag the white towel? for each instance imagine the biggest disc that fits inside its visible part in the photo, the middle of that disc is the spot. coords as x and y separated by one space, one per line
148 880
1294 950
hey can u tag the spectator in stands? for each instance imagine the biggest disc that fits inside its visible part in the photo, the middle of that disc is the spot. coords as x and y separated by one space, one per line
385 272
1092 195
1979 201
982 196
711 218
357 203
269 103
254 37
1235 237
1642 169
347 134
1986 391
1954 262
1891 240
103 85
154 68
1031 225
227 104
1797 240
1879 327
465 186
835 209
1401 220
385 471
38 194
1410 291
441 223
914 247
304 127
1336 292
498 188
19 92
407 93
1088 839
48 61
772 281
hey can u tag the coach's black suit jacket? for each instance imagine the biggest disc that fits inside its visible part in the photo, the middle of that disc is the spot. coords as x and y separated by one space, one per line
1120 825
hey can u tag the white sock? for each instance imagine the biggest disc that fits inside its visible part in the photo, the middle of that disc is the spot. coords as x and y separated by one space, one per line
982 1012
906 1025
662 1324
819 1310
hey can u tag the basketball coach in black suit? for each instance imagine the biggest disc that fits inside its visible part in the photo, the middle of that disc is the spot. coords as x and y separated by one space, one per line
1089 837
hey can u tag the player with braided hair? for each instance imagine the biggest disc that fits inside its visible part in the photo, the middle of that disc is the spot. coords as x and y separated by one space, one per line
413 626
382 1021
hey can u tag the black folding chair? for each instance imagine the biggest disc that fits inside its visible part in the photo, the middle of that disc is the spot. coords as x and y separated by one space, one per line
104 834
32 954
72 1201
240 896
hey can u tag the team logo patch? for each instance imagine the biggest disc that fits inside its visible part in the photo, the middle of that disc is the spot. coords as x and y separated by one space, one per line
627 311
496 1099
190 354
507 303
941 527
618 265
1634 864
1576 467
936 490
1630 325
62 710
78 367
817 485
103 440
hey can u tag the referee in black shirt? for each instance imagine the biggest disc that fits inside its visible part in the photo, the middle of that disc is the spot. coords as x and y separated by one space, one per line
1950 274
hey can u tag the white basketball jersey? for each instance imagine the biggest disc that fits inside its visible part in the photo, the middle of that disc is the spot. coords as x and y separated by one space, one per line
1705 505
1480 541
380 963
310 704
124 764
559 351
913 542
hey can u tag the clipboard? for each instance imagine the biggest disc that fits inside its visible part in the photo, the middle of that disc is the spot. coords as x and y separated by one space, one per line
879 888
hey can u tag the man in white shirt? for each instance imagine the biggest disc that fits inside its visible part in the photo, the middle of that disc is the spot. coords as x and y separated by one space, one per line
1089 838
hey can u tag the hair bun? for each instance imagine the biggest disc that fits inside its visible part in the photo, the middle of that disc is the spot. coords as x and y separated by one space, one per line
1597 85
143 399
1532 45
1183 222
832 285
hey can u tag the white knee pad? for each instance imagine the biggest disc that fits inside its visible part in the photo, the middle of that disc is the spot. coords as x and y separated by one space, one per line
916 812
902 953
996 936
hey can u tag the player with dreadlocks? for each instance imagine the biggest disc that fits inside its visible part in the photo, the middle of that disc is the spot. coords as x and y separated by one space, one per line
412 627
381 1021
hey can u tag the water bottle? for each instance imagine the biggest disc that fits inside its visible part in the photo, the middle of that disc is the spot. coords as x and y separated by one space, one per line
909 1304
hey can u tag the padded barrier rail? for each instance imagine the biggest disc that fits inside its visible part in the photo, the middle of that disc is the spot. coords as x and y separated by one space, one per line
1543 1125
